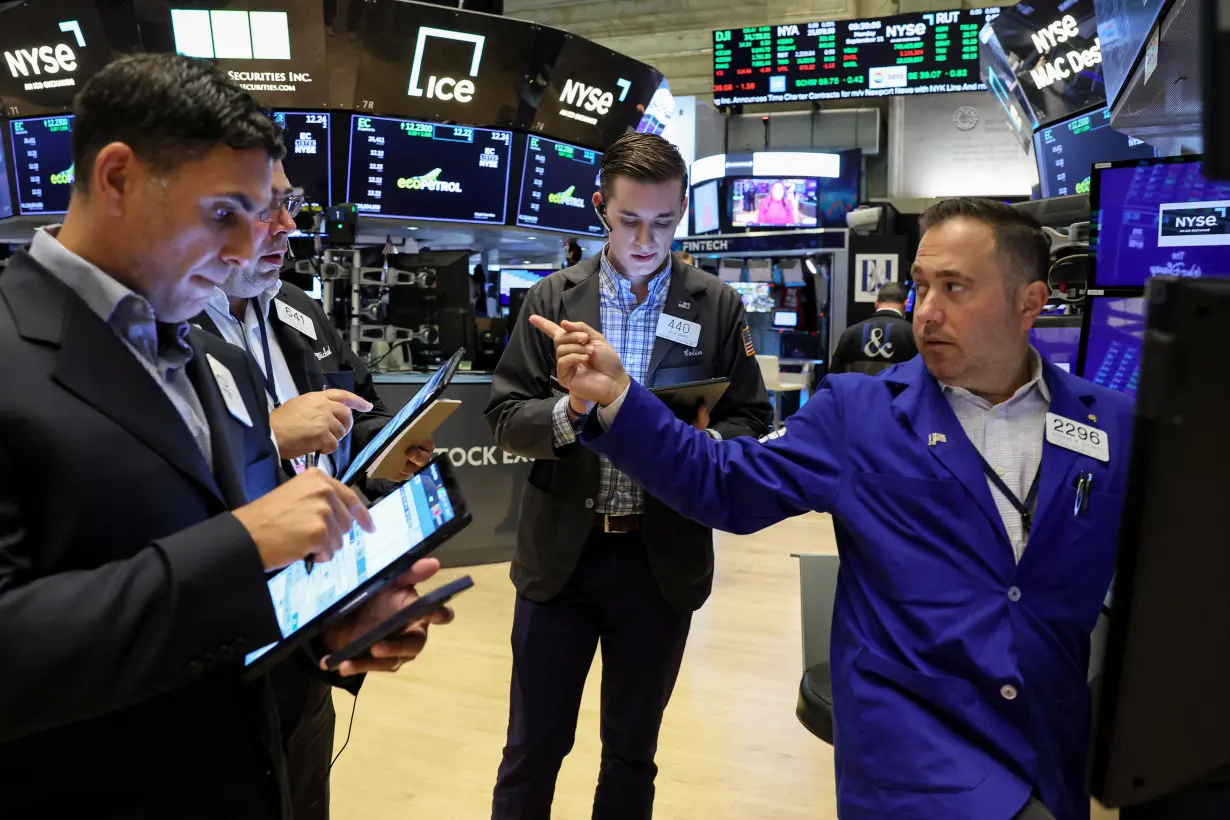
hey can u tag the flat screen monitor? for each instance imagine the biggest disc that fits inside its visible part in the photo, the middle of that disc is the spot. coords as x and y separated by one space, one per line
43 162
557 188
914 53
1066 151
705 207
786 318
520 278
1058 340
1123 27
1111 339
757 296
1160 216
773 203
309 156
423 170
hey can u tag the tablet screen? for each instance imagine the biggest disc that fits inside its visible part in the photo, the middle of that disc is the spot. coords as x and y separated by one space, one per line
403 520
429 392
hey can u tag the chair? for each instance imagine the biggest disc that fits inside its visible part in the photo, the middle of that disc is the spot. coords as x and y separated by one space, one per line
818 587
777 382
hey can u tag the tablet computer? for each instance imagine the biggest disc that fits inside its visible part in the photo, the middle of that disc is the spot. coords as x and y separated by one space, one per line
422 514
428 393
689 395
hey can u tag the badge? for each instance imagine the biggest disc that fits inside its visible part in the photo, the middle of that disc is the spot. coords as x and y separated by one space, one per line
674 329
1077 437
295 319
230 391
747 342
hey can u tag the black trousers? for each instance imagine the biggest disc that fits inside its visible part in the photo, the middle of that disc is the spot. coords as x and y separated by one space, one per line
612 602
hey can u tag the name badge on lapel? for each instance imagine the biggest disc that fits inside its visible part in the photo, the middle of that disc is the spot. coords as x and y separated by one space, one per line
1077 437
674 329
295 319
230 391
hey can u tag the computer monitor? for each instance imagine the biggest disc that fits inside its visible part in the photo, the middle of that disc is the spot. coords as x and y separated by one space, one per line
1158 216
1057 339
786 318
773 203
757 296
1111 337
1066 151
520 278
1160 730
705 207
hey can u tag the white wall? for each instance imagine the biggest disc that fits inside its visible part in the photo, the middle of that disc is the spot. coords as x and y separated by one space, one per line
680 131
944 145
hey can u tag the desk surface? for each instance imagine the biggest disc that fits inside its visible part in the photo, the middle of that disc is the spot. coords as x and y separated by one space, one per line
421 377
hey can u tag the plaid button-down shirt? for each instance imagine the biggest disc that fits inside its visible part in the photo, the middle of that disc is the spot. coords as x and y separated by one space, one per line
631 330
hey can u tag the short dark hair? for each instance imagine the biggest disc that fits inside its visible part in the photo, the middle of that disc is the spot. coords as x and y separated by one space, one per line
644 158
170 110
891 293
1019 238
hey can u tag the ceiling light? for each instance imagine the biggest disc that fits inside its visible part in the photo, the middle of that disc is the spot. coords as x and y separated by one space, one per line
531 238
525 261
412 227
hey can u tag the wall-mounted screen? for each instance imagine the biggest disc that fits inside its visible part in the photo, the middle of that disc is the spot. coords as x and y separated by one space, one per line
704 206
1066 152
423 170
921 52
773 203
1159 216
557 188
1111 341
43 162
520 278
309 158
757 296
1058 340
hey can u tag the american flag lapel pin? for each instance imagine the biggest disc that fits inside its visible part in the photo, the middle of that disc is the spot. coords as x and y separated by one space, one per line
685 305
936 438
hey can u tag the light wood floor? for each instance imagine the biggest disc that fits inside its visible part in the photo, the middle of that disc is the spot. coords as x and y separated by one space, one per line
427 741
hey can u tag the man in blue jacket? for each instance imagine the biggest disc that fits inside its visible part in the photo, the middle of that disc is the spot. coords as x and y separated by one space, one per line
976 494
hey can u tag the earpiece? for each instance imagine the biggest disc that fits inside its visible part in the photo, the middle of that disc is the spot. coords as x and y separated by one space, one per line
600 210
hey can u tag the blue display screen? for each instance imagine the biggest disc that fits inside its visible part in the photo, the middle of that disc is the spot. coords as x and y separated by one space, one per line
1159 218
1067 151
1058 345
1116 335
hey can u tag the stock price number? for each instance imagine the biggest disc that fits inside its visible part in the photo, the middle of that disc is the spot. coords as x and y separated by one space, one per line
318 119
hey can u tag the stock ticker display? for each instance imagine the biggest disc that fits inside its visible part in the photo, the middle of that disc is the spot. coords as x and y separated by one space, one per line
309 161
424 170
43 160
557 187
1067 151
904 54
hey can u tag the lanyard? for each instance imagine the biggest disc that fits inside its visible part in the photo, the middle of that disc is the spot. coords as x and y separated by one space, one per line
268 371
1026 507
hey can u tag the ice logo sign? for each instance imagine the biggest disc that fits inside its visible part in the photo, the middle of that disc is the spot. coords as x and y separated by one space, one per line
447 89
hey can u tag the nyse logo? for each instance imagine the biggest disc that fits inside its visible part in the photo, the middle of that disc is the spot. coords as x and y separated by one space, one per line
231 35
1194 223
446 89
591 97
871 272
38 60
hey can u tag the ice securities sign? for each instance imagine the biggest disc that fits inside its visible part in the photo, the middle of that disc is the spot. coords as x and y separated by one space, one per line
273 48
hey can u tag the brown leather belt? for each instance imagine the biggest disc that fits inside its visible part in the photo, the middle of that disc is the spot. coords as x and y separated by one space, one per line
617 523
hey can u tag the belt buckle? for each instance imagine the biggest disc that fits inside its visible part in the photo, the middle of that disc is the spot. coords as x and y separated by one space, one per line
606 523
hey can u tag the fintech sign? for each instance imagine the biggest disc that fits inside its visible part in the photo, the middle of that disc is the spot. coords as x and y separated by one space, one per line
51 49
915 53
557 187
422 170
274 49
43 161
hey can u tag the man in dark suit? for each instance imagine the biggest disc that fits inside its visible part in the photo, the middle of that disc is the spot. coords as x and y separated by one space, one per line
598 561
880 342
132 582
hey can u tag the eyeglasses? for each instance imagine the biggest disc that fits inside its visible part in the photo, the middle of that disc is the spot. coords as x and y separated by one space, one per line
293 203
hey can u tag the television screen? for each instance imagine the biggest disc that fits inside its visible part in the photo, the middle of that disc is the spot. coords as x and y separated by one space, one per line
919 52
1157 216
1066 151
1058 343
423 170
786 318
520 278
557 188
757 296
705 207
773 203
1111 340
1123 27
309 158
43 162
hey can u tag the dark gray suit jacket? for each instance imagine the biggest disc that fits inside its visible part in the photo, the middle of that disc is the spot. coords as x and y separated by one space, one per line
556 511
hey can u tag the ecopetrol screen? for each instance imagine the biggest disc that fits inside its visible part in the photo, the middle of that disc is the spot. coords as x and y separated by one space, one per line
1158 217
1067 151
839 59
557 188
43 162
423 170
308 161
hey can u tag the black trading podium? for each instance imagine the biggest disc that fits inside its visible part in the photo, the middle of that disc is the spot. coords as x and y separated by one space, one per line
1162 726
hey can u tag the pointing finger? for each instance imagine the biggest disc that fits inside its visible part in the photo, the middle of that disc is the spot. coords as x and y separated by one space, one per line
546 325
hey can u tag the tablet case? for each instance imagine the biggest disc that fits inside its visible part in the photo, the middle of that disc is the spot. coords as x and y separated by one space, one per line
389 463
686 398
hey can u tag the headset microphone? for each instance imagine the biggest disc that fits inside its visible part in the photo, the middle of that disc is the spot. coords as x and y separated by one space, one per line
600 210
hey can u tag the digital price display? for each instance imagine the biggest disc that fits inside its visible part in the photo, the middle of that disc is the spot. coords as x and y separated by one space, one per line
309 159
43 161
916 53
1067 151
557 188
424 170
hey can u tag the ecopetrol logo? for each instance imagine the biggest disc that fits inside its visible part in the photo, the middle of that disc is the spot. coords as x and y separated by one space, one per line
430 181
231 35
64 177
566 198
1193 223
447 89
47 59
